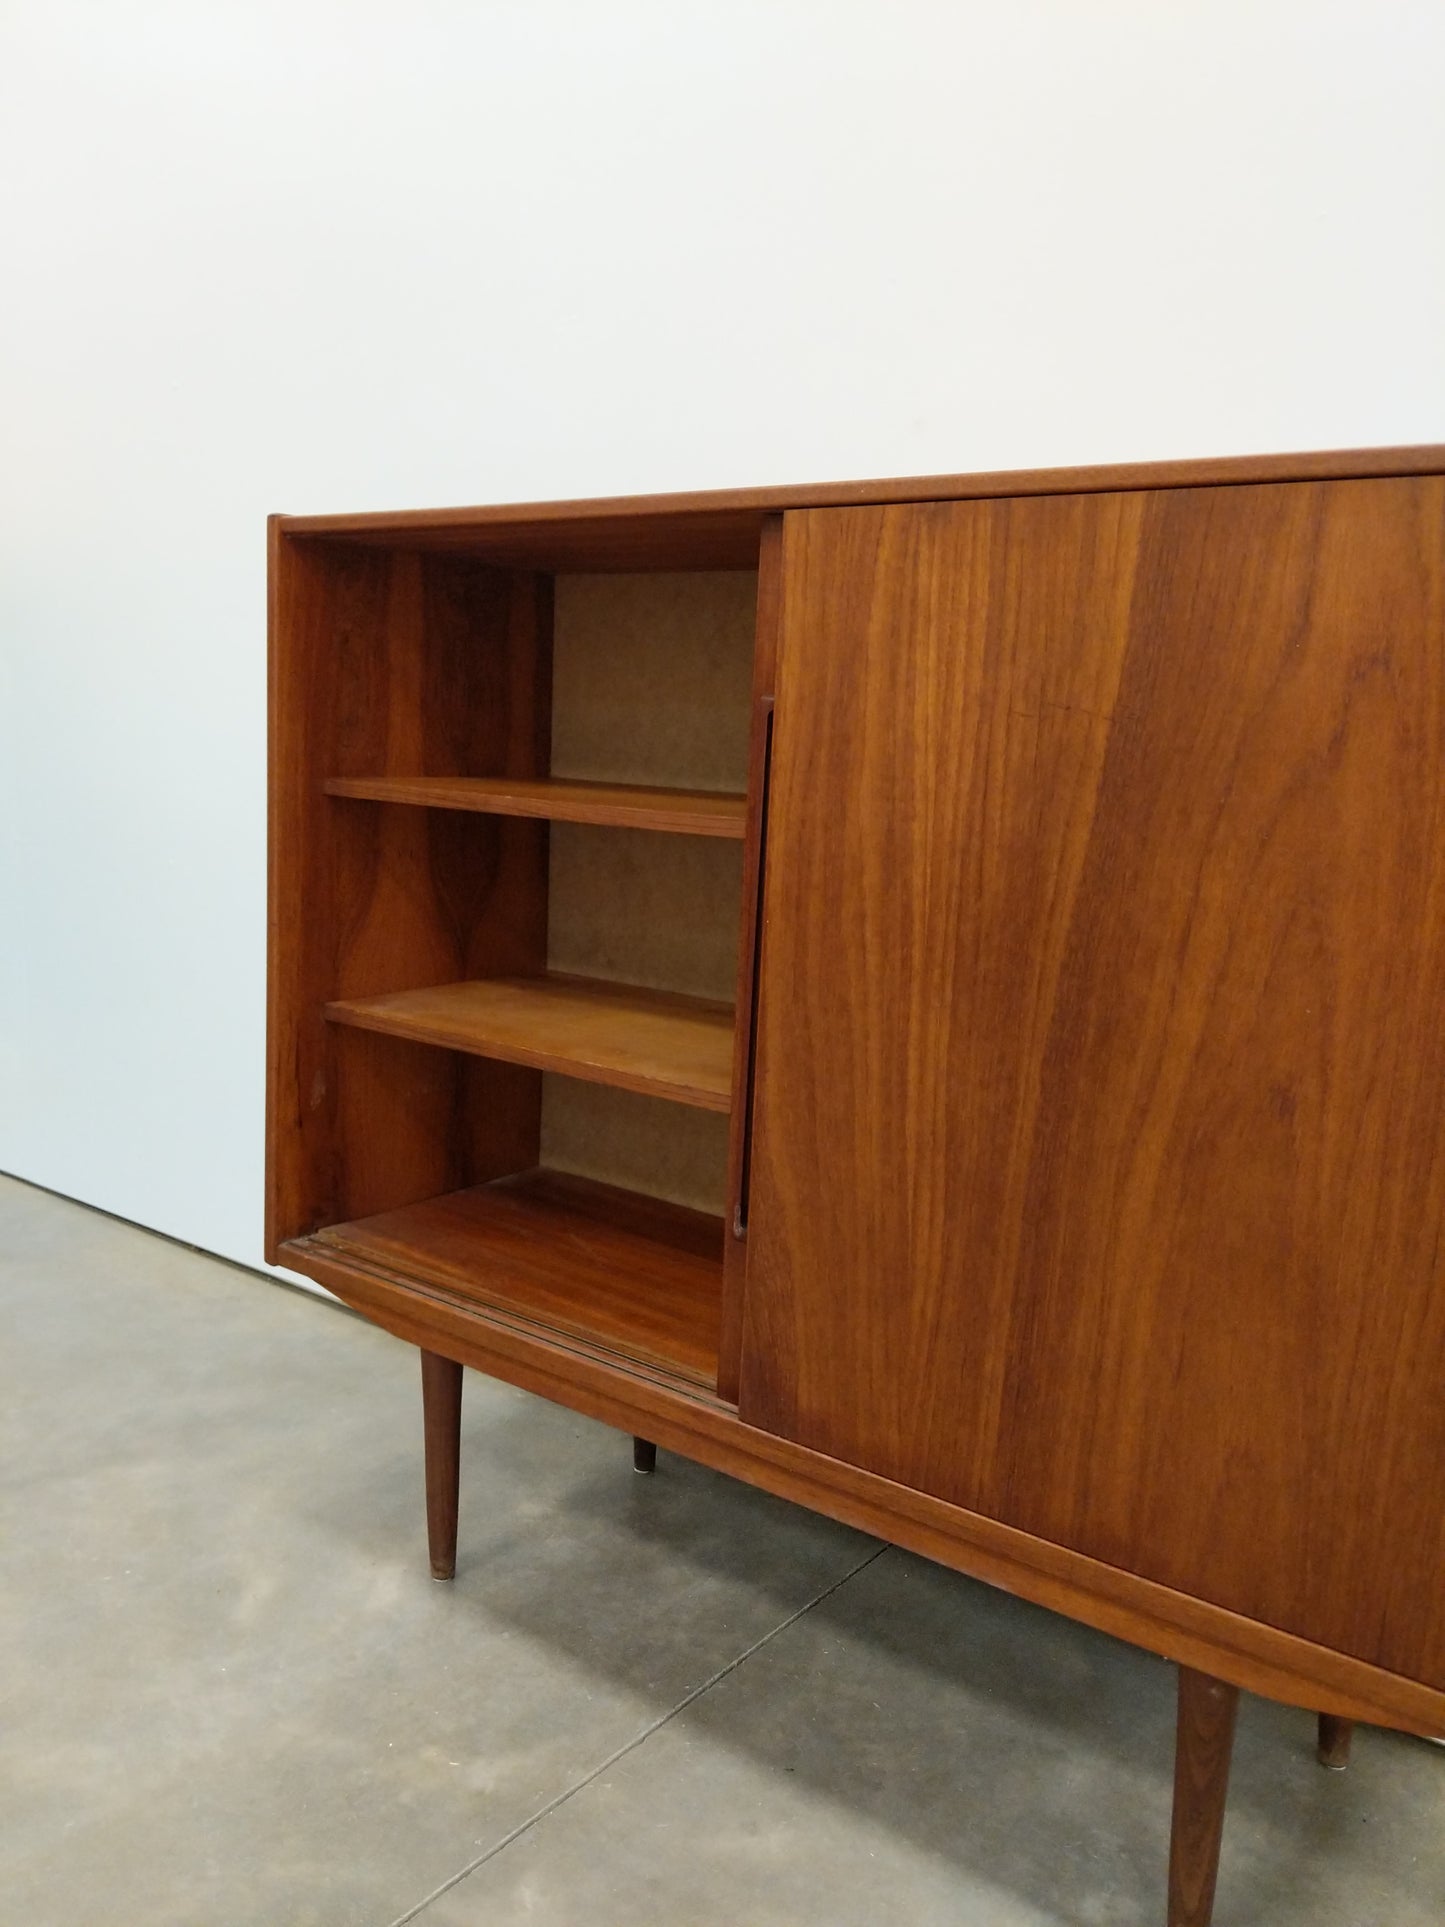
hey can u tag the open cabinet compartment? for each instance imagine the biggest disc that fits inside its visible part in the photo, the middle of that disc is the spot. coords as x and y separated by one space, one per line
509 811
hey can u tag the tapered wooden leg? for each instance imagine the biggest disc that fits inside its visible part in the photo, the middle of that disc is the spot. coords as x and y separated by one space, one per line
1202 1751
644 1455
1335 1737
441 1404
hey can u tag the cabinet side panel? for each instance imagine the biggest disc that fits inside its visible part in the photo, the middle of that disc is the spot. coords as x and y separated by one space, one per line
1099 1169
300 1123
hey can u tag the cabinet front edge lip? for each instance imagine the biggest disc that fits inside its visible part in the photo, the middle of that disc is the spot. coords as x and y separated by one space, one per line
311 1255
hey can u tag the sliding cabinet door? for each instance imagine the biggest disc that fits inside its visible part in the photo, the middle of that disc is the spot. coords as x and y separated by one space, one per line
1097 1154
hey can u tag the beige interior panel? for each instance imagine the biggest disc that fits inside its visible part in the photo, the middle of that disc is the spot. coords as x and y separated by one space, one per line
641 908
642 1143
651 678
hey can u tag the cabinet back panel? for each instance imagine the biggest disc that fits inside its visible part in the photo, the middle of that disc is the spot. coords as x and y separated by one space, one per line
652 677
1099 1161
640 908
671 1151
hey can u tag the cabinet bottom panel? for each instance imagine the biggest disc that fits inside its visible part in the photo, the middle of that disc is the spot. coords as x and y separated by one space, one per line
632 1275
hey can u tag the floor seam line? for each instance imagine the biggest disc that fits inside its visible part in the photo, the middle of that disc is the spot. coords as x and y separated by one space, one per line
638 1739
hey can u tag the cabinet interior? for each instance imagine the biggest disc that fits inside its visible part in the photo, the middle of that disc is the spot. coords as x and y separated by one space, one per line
523 885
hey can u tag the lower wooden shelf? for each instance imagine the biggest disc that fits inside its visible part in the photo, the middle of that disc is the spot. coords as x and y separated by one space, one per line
632 1274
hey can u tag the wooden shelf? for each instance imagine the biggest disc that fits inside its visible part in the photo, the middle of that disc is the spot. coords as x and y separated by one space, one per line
631 1274
632 806
640 1040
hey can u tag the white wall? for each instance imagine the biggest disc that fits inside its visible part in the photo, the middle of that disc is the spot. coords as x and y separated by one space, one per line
328 254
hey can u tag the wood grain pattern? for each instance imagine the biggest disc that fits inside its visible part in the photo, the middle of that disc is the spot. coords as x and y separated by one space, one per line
640 1040
1099 1174
721 528
685 1418
684 812
632 1274
1203 1748
392 663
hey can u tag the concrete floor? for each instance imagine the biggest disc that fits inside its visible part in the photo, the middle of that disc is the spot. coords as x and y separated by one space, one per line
230 1696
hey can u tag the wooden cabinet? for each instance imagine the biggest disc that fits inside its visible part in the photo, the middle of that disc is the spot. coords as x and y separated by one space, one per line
924 996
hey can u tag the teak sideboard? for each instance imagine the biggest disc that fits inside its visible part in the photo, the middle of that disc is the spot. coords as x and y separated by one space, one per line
927 996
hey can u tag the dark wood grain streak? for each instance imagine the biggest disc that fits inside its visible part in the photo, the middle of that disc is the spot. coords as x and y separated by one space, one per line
680 1416
1099 1172
1203 1747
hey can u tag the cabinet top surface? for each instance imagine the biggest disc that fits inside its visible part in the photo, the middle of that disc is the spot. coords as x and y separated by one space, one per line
738 512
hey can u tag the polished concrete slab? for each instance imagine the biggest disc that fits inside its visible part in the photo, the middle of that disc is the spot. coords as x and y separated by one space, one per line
920 1749
230 1696
232 1693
